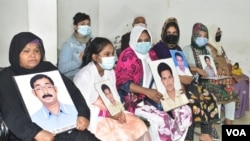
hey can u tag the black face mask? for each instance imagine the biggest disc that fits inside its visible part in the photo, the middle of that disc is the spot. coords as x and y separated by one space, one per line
171 39
217 38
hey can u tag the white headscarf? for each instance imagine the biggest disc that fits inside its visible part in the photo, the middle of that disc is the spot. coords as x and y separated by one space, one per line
212 29
134 36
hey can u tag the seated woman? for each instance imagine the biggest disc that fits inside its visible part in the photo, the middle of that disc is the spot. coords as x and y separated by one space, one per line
199 46
241 81
134 77
98 64
27 56
202 115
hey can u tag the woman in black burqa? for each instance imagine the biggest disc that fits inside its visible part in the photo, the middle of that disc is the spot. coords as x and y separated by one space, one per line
12 107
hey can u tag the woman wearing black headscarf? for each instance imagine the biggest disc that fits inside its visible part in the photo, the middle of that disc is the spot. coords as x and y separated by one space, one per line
26 56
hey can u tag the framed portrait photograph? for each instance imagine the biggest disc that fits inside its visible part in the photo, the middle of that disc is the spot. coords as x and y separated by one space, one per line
109 96
47 101
208 65
168 83
180 62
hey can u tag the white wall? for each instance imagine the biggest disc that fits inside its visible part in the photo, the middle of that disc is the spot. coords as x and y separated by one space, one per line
42 20
230 15
118 20
111 18
13 19
37 16
67 10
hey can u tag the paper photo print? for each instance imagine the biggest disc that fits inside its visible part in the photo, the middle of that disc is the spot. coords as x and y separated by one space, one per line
168 83
110 96
208 65
180 62
47 101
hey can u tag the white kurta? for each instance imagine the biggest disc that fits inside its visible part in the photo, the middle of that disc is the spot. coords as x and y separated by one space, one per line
85 80
105 128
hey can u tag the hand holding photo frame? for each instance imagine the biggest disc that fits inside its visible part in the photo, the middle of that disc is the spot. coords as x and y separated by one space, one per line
47 101
168 83
110 96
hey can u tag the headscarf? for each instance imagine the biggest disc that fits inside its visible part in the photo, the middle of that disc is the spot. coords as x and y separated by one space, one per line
169 22
195 33
212 33
18 42
161 48
198 50
10 102
134 36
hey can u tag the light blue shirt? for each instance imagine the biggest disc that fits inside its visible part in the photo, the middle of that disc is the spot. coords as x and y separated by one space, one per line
69 62
48 121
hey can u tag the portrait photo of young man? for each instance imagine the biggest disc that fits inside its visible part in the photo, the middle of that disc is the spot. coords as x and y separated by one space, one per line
208 65
180 63
168 83
109 96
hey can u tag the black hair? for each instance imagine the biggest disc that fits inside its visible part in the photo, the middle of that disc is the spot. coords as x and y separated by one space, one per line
80 17
206 57
146 31
162 67
94 46
104 87
18 43
39 76
178 54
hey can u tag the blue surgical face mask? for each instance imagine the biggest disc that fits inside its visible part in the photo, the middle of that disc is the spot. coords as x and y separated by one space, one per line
201 41
84 30
107 62
143 47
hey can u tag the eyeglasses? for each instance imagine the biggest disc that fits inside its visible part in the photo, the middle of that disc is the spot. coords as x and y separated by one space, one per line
41 88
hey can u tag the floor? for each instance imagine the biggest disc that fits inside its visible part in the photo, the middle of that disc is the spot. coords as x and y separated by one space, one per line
242 120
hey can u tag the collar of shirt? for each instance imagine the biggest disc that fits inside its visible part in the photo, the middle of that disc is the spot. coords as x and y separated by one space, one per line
47 113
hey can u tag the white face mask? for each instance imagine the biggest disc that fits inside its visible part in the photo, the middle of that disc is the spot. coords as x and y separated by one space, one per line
84 30
107 63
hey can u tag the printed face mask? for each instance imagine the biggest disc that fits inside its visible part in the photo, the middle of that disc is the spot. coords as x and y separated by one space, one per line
107 62
201 41
143 47
84 30
171 39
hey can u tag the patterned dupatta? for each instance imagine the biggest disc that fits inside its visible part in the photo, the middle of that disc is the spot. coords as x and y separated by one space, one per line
195 48
196 53
144 58
162 48
133 67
